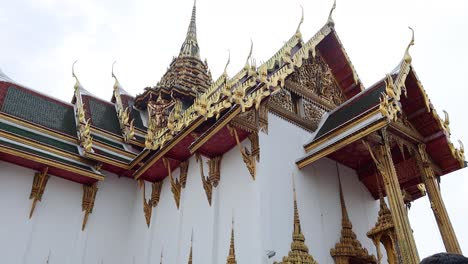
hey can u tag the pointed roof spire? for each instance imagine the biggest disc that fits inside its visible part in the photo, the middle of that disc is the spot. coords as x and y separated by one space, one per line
191 245
231 259
407 57
190 46
330 20
349 246
299 252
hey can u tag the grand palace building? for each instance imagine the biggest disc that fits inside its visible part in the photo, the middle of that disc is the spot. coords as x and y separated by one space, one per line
290 161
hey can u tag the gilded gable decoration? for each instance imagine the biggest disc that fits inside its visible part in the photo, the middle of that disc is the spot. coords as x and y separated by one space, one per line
349 248
37 189
87 204
128 130
83 125
299 253
183 173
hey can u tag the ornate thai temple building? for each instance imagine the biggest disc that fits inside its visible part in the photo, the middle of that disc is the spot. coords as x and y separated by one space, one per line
290 161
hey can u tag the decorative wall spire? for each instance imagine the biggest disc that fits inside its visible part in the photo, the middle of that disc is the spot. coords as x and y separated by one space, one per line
348 247
231 259
87 203
190 46
299 252
191 246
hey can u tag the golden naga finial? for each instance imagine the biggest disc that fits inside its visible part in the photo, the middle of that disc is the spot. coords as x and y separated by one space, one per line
228 61
77 84
298 30
407 55
250 55
330 16
117 84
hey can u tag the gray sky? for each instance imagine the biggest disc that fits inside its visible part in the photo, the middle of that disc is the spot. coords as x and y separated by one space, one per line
42 38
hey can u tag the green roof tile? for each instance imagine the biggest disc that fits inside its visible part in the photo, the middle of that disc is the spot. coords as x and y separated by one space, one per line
104 116
39 110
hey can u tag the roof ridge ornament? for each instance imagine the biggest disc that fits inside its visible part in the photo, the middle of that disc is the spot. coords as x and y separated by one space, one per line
78 83
298 30
330 16
227 63
247 64
117 83
407 56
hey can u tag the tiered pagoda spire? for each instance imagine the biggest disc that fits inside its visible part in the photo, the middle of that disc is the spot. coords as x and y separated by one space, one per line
348 247
190 46
299 253
231 259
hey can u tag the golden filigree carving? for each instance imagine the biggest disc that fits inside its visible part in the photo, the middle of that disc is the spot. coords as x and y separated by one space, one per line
255 145
349 248
299 252
312 112
263 117
87 203
157 118
247 156
176 186
37 189
156 188
316 76
207 184
283 99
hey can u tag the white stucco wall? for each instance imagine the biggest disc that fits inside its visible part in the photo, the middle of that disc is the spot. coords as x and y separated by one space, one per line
263 210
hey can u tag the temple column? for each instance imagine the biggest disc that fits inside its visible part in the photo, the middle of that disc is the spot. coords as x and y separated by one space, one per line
437 204
382 157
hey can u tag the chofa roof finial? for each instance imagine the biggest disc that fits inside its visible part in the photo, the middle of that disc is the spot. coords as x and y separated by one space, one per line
330 16
228 61
407 55
117 83
250 54
77 84
298 30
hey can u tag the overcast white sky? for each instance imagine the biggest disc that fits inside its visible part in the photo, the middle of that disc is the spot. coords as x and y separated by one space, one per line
41 39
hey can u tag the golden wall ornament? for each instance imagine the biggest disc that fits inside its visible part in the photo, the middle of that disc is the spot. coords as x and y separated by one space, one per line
299 253
184 173
214 170
147 203
156 188
176 186
38 187
255 145
207 184
348 248
87 204
247 156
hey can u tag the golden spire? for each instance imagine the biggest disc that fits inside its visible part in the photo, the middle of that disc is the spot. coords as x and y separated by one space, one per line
231 259
116 84
407 57
330 16
299 252
191 245
298 30
349 246
190 46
